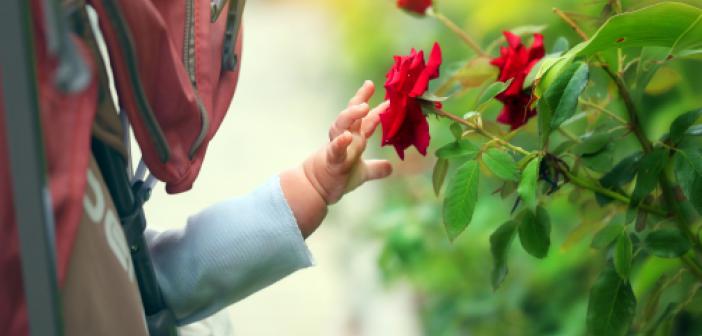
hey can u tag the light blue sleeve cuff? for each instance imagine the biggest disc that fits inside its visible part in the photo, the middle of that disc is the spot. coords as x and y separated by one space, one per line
227 252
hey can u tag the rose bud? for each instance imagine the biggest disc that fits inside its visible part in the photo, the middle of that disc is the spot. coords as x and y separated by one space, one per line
415 6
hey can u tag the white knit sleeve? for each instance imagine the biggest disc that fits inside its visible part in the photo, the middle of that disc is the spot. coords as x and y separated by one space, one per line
227 252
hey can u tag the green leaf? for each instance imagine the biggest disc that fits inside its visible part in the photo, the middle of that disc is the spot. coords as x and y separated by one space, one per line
535 232
667 243
531 76
622 173
669 24
528 30
460 148
491 91
622 256
596 151
694 130
663 79
430 97
562 96
593 144
527 185
650 168
439 174
606 236
682 124
688 171
460 200
501 164
500 241
560 46
612 305
474 73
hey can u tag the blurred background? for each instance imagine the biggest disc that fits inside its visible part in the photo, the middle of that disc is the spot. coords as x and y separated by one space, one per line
383 263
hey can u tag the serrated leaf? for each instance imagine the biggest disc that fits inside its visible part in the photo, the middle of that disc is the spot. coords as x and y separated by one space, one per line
682 124
491 91
688 171
460 148
501 164
668 24
562 96
535 232
667 243
612 305
439 175
527 184
461 197
650 168
500 241
606 236
622 256
622 173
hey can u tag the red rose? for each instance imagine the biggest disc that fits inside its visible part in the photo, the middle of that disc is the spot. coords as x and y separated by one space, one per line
515 62
404 124
415 6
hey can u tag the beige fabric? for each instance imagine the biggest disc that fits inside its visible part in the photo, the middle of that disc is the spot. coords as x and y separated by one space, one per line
100 295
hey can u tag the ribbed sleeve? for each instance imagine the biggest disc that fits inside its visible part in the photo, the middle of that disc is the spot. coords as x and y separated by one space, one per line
227 252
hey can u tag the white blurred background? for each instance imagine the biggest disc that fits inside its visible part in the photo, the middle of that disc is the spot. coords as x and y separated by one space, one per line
289 93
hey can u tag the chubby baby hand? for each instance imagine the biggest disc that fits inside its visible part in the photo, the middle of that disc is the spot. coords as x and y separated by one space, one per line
338 167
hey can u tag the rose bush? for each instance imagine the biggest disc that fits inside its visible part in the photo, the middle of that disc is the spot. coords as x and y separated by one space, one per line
630 179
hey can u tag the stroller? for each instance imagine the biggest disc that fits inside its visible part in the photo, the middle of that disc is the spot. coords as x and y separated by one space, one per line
175 67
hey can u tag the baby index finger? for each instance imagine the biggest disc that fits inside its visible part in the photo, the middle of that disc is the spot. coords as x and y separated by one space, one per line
347 117
363 94
371 121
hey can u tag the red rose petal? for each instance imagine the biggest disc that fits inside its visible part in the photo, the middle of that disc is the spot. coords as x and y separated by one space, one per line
403 122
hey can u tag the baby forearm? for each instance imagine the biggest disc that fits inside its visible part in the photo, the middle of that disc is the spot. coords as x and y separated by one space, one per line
306 203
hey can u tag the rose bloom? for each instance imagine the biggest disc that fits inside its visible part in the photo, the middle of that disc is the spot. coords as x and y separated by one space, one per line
515 62
404 124
415 6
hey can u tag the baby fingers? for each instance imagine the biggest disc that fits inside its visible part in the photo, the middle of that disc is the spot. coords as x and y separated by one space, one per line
336 151
377 169
371 121
363 94
346 118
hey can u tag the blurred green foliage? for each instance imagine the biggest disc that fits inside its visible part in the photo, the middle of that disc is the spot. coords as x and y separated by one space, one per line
452 281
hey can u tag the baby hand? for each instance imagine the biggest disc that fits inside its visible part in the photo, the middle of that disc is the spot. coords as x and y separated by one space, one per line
338 168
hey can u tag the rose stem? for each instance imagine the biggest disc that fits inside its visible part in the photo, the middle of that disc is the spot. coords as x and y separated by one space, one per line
482 132
571 23
456 29
569 135
603 110
591 185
